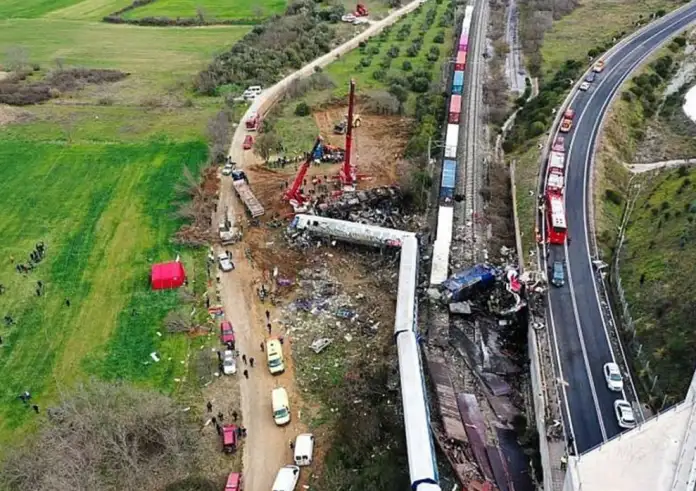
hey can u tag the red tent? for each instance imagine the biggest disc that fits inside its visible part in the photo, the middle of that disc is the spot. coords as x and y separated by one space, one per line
168 275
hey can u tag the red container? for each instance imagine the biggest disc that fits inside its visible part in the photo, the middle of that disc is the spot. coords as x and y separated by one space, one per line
455 108
460 62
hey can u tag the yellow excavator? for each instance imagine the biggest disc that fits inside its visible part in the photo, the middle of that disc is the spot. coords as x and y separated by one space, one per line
340 127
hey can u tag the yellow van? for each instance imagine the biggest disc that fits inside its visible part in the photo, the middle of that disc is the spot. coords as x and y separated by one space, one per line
281 406
274 356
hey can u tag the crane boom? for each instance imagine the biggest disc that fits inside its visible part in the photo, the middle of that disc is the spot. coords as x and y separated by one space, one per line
347 174
293 192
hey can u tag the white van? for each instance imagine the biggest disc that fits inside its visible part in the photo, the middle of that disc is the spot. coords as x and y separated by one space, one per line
255 89
304 448
274 356
281 406
287 478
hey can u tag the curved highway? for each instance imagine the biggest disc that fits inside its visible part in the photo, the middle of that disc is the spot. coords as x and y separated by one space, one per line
576 318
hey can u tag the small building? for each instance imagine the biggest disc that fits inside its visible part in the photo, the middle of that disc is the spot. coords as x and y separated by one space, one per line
167 275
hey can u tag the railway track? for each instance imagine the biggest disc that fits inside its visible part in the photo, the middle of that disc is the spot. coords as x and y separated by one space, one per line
473 160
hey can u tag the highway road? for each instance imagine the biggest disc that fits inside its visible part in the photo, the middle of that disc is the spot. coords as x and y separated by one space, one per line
579 323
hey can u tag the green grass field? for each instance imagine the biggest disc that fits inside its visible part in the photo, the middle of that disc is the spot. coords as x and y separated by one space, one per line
104 212
211 9
94 10
92 175
661 247
591 24
30 9
153 55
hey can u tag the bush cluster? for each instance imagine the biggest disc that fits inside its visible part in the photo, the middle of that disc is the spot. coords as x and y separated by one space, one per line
536 116
16 91
270 50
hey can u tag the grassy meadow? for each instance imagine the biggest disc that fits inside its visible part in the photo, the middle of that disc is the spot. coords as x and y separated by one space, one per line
104 213
91 174
213 9
660 248
594 22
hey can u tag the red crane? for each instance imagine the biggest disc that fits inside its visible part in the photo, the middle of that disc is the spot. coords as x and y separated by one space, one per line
348 175
293 193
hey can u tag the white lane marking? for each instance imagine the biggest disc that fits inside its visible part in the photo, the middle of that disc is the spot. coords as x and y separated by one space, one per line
590 158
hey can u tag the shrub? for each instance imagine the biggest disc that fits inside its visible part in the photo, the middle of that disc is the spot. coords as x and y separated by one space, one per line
613 196
302 109
439 38
393 52
406 66
420 84
379 75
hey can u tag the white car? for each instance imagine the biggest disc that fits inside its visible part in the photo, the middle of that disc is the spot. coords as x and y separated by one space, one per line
624 414
612 374
225 262
584 86
287 478
227 170
249 96
348 18
359 21
229 364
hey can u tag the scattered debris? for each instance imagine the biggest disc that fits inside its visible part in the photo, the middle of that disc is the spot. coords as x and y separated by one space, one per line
320 344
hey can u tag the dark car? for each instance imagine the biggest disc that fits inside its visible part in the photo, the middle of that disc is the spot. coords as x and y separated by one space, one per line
590 77
558 274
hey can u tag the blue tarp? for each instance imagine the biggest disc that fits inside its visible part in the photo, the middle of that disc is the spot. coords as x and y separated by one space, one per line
457 287
319 152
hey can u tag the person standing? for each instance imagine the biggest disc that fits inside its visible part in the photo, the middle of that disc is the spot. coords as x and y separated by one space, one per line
244 359
246 374
209 406
251 362
235 415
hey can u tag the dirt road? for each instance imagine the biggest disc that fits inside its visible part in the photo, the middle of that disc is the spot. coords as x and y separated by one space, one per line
267 446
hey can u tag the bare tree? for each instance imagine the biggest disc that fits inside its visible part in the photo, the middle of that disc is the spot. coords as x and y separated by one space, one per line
107 436
266 144
201 14
219 136
178 322
16 58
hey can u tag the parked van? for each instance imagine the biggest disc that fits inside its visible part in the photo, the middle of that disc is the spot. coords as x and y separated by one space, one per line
281 406
274 356
304 448
287 478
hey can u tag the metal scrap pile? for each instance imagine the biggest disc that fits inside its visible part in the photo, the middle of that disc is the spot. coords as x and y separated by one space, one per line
379 206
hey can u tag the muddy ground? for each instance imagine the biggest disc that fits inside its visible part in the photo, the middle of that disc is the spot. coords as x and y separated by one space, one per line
377 148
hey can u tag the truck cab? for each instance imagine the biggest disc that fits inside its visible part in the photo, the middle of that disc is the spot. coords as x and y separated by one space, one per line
239 175
252 123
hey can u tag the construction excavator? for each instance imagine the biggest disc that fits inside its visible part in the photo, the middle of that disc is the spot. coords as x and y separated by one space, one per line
341 127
